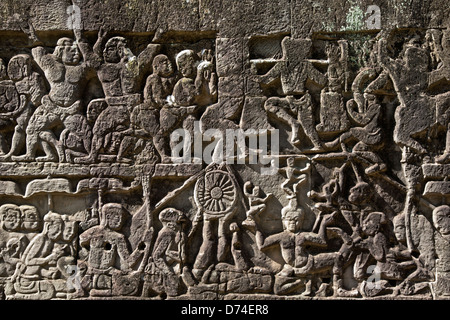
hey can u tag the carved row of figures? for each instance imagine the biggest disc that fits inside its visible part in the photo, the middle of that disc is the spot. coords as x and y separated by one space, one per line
126 123
217 252
56 123
418 77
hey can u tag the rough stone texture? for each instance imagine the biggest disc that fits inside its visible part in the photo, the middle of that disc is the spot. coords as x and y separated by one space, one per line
200 149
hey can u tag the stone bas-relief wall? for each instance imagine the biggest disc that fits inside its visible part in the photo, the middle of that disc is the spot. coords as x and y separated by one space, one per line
291 153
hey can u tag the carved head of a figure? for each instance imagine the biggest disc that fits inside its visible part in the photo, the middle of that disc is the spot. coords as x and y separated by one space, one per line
67 51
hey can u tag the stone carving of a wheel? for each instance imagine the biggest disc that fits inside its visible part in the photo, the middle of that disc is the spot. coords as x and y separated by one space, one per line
215 193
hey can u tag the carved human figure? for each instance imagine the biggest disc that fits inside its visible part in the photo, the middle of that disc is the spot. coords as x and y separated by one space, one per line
411 274
163 273
12 241
438 45
297 113
332 111
108 251
146 116
361 204
33 275
441 222
373 246
410 77
300 265
11 217
11 255
327 199
31 88
368 134
189 96
10 102
294 177
120 75
256 203
76 137
294 69
67 75
190 89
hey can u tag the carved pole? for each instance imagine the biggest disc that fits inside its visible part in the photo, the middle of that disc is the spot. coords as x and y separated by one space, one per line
148 235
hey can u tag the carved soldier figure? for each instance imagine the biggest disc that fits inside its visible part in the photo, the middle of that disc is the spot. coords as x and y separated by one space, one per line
10 105
188 96
332 110
368 134
31 220
293 70
12 241
410 77
31 89
146 116
76 137
67 75
108 252
163 273
120 76
300 265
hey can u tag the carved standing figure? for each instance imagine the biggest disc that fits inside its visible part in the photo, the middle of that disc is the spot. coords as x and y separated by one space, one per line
68 70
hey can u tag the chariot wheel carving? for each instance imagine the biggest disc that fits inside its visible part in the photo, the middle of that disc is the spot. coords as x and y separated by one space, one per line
216 193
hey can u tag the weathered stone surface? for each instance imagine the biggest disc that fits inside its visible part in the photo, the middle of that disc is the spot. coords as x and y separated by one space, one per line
199 149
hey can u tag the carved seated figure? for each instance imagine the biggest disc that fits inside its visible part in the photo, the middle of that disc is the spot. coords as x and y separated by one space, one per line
189 94
34 275
109 260
390 263
302 270
163 273
119 75
414 276
19 226
76 137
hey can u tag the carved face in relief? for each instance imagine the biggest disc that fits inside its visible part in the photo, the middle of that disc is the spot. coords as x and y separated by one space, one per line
186 63
12 219
70 230
114 50
372 224
359 193
293 220
162 66
441 219
113 215
19 67
172 218
54 229
30 218
67 51
290 161
400 228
